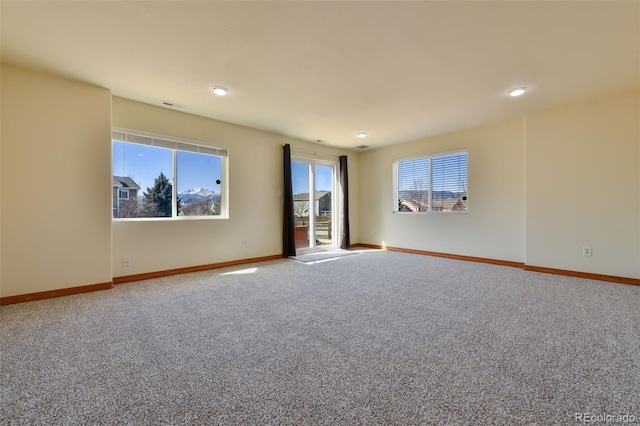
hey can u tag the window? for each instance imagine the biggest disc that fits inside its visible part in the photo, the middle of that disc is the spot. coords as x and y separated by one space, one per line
167 177
431 184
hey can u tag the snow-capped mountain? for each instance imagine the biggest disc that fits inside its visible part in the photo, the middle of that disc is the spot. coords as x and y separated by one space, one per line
199 192
190 196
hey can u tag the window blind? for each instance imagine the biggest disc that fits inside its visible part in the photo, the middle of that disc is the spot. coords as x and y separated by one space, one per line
449 177
437 183
413 185
171 142
449 173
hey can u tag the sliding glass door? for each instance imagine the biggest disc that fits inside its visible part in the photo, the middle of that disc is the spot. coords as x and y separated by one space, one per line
314 204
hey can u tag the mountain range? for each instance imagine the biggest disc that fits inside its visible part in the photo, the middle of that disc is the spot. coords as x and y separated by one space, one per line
437 195
190 196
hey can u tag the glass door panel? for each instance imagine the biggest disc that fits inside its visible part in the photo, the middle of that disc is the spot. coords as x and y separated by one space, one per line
313 204
301 178
324 177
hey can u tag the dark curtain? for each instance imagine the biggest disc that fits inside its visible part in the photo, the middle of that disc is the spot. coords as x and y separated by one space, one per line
288 237
345 239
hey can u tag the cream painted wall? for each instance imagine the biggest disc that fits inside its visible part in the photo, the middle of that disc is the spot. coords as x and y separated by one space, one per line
1 68
56 225
494 225
255 201
583 186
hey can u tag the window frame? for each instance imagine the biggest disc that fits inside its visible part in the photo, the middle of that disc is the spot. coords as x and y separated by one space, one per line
175 144
121 192
429 157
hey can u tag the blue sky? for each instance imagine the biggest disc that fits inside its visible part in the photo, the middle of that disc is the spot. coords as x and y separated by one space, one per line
198 170
144 163
300 177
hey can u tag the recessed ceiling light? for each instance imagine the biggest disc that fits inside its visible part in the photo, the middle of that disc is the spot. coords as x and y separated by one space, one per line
220 90
361 135
517 91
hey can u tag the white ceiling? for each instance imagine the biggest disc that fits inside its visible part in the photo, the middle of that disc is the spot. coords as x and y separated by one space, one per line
327 70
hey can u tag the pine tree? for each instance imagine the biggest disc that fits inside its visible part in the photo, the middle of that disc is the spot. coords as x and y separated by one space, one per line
160 195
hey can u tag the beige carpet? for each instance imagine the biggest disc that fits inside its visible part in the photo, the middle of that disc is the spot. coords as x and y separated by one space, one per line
373 338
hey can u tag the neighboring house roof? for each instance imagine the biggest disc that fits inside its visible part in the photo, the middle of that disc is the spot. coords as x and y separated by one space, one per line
411 206
444 205
447 205
124 182
304 196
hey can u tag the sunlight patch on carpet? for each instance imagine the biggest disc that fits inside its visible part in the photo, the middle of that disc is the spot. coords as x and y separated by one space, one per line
322 256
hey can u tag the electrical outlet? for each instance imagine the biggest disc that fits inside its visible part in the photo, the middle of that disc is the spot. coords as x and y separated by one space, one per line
244 243
586 251
126 262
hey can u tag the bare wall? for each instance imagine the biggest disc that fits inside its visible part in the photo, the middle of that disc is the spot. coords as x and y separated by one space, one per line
56 224
583 186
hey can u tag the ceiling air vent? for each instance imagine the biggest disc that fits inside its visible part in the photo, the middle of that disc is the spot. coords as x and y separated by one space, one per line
172 104
362 146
